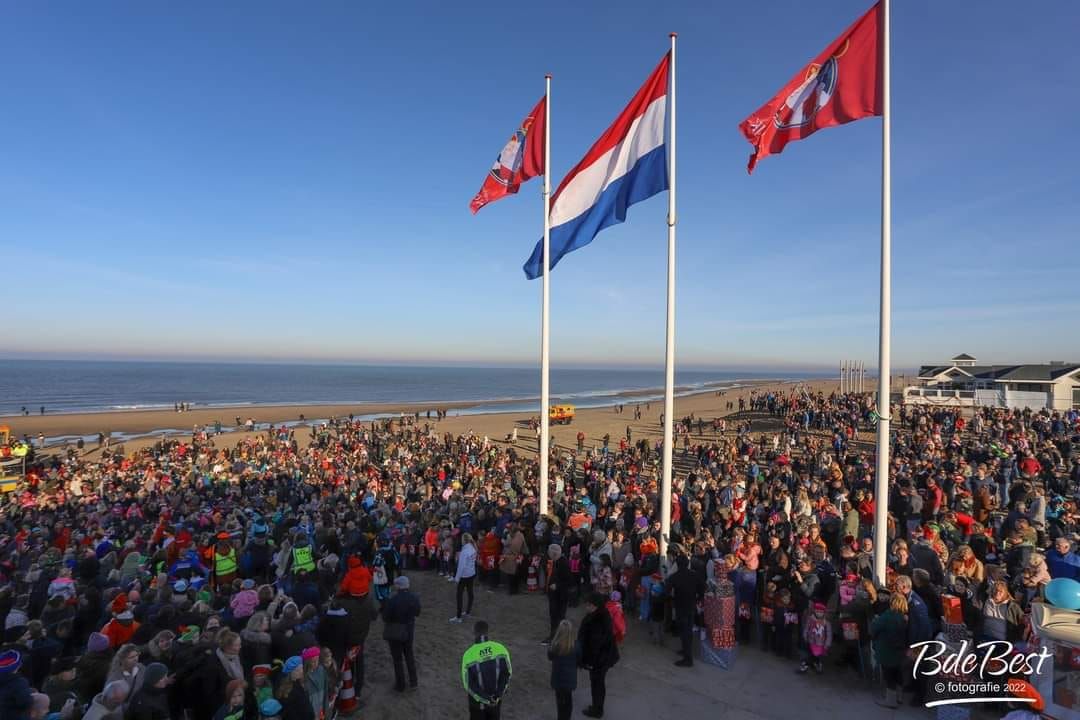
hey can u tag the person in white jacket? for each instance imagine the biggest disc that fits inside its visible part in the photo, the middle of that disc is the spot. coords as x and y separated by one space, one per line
465 576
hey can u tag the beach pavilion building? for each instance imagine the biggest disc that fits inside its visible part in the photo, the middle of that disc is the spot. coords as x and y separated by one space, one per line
964 382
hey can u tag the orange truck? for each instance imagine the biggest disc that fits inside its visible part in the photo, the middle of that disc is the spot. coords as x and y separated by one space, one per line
561 414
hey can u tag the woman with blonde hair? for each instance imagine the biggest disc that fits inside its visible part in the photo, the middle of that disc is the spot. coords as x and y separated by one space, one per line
126 666
889 632
465 575
1002 618
563 654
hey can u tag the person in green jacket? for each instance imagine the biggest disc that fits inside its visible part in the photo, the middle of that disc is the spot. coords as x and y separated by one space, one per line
890 638
485 673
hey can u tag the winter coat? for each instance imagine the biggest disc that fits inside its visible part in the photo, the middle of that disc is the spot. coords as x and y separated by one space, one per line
255 648
561 580
204 691
91 671
563 669
596 640
15 698
296 705
511 551
99 711
357 580
244 603
403 607
333 631
889 633
150 703
315 685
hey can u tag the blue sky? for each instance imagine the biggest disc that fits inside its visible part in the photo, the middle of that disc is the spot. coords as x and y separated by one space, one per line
276 180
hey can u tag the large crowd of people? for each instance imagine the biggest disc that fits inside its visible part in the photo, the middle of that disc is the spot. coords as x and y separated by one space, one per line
203 581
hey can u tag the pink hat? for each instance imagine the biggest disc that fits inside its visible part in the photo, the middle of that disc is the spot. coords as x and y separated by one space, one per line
311 652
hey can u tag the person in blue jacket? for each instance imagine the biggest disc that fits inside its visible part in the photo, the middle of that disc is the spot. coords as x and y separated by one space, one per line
1061 561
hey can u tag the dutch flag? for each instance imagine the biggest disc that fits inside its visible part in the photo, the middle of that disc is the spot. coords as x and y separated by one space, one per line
626 165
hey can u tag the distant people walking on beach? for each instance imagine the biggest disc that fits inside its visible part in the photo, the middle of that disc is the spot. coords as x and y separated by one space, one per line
42 409
485 673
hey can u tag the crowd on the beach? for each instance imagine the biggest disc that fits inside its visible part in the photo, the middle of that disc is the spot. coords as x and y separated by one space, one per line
211 582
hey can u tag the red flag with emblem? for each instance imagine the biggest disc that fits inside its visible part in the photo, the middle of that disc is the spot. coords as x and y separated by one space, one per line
840 85
521 159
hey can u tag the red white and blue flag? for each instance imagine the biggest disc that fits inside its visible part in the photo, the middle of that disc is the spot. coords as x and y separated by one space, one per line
626 165
521 159
841 84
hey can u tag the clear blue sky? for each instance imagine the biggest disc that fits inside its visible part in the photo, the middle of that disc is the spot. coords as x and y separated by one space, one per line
281 180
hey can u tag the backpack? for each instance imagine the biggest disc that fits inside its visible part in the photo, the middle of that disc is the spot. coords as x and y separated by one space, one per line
379 577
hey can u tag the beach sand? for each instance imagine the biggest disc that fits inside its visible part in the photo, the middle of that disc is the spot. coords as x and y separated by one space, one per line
645 684
594 422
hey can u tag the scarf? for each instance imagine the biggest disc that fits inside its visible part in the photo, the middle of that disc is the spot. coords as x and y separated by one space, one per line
232 665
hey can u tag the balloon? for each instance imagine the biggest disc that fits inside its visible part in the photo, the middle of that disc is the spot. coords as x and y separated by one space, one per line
1064 593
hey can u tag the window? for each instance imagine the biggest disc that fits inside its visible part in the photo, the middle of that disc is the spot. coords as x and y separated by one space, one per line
1076 398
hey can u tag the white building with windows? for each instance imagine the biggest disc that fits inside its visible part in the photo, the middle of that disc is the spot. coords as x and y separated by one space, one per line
964 382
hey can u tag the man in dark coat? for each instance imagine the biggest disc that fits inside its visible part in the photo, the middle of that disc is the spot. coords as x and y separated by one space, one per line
359 612
93 667
15 695
559 583
599 653
151 702
685 587
402 608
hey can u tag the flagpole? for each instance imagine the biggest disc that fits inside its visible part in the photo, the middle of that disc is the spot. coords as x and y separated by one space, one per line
881 501
545 360
669 357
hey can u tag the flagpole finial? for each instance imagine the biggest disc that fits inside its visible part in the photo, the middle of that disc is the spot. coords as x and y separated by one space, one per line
673 35
548 76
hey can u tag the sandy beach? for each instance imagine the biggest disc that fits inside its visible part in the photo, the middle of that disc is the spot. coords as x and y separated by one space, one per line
644 684
594 422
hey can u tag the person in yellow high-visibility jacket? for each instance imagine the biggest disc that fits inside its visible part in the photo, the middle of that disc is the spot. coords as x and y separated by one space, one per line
225 564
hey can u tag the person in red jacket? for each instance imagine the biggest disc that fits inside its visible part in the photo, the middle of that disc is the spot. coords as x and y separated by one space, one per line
357 580
866 511
120 629
1029 466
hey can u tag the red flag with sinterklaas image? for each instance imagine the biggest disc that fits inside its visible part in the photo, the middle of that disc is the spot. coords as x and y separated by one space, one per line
840 85
521 159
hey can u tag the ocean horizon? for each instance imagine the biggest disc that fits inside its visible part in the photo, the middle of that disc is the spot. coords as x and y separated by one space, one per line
82 386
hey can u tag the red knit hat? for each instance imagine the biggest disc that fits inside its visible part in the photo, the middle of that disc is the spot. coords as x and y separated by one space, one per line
119 603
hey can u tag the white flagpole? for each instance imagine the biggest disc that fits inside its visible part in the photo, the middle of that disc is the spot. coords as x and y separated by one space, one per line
669 357
841 377
881 501
545 360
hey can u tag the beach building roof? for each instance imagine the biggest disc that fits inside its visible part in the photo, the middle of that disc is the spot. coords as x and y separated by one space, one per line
1045 373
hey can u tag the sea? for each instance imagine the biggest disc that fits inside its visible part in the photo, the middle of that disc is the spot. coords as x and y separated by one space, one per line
69 386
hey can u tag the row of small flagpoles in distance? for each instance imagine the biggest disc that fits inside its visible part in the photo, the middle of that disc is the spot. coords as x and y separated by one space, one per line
848 81
852 376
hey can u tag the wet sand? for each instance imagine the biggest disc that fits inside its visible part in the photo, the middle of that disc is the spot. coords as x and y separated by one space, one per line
497 426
